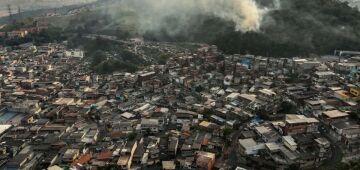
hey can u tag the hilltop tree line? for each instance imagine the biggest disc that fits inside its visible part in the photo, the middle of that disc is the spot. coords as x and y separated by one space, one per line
298 28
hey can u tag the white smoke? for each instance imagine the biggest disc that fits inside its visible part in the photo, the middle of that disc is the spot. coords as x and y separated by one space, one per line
353 3
152 14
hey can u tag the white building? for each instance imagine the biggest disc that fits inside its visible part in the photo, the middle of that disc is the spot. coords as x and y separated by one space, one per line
74 53
289 142
249 146
151 125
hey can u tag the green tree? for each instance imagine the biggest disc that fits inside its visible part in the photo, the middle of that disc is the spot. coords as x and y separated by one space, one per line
227 131
132 136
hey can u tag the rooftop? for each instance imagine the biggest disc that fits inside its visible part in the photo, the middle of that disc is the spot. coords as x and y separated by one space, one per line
168 165
149 121
267 92
335 114
247 143
3 128
64 101
289 140
294 119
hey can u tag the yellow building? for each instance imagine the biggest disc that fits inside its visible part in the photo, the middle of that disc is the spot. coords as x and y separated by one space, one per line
354 90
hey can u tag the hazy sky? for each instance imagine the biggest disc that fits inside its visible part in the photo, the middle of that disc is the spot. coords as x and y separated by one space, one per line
36 4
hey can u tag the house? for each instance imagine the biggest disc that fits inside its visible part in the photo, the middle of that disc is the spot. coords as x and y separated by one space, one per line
267 133
346 67
83 159
314 106
182 118
70 155
333 116
168 165
303 65
105 155
205 160
70 117
139 152
122 126
173 145
153 148
186 150
19 161
4 128
289 155
74 53
354 90
323 148
53 128
345 131
208 126
296 124
127 154
55 167
146 76
323 76
289 142
127 106
232 96
266 95
91 136
14 34
127 115
249 146
150 125
64 101
343 95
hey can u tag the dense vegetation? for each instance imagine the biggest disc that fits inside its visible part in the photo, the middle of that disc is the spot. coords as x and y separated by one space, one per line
105 56
352 165
108 56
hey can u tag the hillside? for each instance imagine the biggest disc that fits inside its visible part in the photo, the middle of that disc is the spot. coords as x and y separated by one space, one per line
295 28
317 26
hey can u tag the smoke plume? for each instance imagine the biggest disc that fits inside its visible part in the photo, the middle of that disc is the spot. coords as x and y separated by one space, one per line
153 15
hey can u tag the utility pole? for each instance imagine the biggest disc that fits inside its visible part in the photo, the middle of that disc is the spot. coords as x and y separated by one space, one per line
9 10
19 10
10 14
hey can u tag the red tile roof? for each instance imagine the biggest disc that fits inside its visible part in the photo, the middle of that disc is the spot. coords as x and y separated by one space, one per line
83 159
104 155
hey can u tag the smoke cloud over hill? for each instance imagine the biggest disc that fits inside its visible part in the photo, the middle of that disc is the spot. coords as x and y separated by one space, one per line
355 3
158 14
261 27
